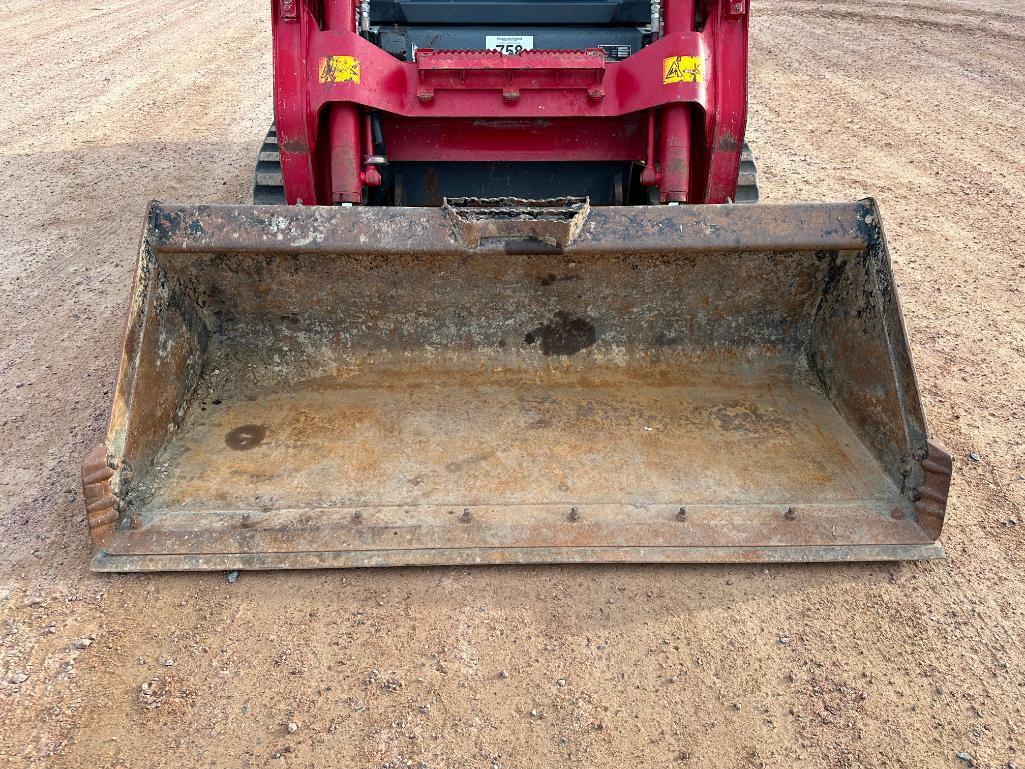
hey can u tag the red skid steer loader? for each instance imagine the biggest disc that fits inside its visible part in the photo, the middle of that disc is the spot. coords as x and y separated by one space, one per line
505 295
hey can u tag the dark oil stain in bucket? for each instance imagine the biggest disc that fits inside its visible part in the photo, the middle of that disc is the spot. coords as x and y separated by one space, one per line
566 334
550 279
466 463
245 437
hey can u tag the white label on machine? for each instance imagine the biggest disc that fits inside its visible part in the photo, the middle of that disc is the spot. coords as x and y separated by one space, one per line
509 44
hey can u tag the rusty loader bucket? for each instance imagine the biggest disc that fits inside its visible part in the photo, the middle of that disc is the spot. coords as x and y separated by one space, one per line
312 386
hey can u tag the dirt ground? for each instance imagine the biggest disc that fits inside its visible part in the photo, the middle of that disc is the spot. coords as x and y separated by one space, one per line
106 105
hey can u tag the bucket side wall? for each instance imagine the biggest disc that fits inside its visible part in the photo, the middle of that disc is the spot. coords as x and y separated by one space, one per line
859 352
166 342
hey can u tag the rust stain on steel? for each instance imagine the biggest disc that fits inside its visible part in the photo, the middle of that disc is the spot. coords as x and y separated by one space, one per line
931 501
478 556
318 386
376 231
534 225
100 503
414 527
296 146
727 142
413 431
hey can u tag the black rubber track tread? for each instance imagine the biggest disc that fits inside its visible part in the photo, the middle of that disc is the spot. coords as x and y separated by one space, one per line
747 177
268 186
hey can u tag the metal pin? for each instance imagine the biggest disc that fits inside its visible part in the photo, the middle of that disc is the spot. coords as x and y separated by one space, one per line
574 514
357 516
790 514
681 514
467 516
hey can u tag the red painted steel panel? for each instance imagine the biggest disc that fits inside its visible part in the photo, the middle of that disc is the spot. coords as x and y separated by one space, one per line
514 139
675 156
578 92
291 106
726 114
391 85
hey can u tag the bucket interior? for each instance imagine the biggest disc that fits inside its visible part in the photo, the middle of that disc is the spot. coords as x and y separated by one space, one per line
399 402
381 435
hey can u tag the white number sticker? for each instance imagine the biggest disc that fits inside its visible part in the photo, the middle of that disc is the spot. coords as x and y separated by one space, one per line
509 44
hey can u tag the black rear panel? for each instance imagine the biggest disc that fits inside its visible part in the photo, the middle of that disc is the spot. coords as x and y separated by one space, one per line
426 184
617 42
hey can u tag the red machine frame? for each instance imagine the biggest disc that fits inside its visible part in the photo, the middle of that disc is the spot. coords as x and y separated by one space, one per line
687 128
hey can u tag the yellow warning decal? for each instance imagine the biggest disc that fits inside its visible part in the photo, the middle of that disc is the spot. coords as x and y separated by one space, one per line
339 69
683 69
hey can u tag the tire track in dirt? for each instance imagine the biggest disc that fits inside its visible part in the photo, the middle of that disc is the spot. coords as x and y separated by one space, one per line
931 20
939 184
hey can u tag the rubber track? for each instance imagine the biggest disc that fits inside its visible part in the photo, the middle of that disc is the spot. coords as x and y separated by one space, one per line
747 177
268 186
